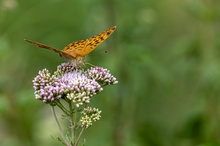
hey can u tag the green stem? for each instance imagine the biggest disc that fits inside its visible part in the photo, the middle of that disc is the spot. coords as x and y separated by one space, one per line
75 117
60 129
72 122
80 134
62 108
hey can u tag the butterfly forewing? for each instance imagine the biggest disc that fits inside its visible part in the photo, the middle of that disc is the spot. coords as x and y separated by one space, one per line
93 42
62 53
84 47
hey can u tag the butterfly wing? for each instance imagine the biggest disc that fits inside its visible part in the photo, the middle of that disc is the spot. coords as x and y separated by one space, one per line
75 48
80 48
62 53
84 47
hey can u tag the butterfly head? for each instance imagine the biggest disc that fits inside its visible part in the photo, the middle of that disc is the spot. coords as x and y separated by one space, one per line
79 61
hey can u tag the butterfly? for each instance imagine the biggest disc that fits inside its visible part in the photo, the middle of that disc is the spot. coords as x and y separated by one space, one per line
76 51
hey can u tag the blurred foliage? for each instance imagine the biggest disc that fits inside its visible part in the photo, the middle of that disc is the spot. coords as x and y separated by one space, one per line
165 55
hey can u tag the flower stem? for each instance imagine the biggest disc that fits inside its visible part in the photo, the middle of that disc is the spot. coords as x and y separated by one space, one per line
62 108
60 129
80 134
72 121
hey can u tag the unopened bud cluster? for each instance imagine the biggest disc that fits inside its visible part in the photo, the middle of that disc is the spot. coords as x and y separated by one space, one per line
89 115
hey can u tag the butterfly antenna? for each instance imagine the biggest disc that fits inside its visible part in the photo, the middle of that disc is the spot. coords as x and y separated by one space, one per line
103 52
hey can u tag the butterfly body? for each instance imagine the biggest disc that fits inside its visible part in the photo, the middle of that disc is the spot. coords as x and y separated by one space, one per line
76 51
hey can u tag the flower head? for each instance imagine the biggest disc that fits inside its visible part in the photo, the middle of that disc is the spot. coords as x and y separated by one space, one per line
71 83
79 87
89 115
47 87
102 76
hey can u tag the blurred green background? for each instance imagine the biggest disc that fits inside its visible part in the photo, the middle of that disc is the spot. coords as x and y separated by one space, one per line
165 55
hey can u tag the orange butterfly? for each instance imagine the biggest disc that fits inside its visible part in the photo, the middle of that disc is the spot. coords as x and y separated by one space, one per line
76 51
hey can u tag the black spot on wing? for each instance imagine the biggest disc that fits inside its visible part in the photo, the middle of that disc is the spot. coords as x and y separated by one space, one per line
102 38
108 33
